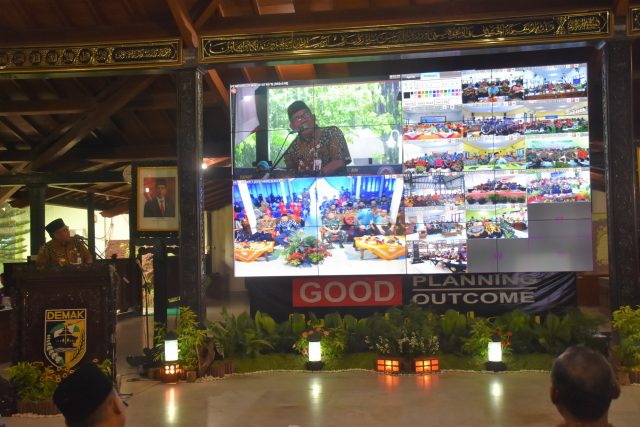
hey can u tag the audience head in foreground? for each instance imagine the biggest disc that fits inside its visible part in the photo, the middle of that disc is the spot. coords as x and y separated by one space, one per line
582 386
87 398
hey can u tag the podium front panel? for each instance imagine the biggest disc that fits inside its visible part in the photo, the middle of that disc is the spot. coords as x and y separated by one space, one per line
64 317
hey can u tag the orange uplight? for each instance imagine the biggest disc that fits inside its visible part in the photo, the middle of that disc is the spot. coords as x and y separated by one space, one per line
171 372
388 365
426 366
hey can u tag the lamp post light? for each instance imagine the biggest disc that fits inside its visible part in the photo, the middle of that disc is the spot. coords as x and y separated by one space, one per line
171 368
315 362
495 362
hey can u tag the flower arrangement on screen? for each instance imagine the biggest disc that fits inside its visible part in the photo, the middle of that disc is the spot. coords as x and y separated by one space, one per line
304 250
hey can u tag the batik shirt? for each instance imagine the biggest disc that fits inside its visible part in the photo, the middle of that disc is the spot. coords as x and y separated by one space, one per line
330 146
286 227
55 253
331 224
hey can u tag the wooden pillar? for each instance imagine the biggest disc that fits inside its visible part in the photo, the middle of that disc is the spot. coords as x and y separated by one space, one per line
191 191
37 194
621 173
91 225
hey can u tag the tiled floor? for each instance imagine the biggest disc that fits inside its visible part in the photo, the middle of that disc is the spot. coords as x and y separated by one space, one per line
353 398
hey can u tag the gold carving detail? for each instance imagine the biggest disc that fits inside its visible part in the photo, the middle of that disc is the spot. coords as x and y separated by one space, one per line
575 25
409 37
69 58
634 18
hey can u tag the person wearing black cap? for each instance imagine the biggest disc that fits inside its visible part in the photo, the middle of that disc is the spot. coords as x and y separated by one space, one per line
62 249
160 205
87 398
316 151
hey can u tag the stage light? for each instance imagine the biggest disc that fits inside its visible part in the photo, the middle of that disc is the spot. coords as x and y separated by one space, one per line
315 353
426 365
389 365
495 362
171 369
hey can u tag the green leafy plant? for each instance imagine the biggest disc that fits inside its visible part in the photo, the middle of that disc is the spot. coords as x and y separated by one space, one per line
233 336
453 329
554 334
190 337
403 332
626 322
521 325
259 334
332 341
36 382
484 331
559 332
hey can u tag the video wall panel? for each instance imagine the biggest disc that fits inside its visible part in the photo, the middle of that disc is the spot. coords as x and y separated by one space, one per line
454 172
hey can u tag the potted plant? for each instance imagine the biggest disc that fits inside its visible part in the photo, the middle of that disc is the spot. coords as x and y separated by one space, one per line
35 383
626 322
191 340
403 337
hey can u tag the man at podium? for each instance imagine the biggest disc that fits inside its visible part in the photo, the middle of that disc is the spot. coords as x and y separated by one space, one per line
62 249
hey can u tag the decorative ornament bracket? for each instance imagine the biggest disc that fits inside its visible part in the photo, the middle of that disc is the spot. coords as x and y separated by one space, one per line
142 54
408 37
633 21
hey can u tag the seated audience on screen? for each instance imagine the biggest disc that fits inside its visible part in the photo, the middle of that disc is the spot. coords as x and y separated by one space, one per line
284 229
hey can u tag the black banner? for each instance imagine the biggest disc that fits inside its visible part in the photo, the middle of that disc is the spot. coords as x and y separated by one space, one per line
492 294
484 294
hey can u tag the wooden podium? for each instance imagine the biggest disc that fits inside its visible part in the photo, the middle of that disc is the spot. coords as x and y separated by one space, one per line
65 316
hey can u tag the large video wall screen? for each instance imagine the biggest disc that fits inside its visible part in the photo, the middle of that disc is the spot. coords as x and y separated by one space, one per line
460 171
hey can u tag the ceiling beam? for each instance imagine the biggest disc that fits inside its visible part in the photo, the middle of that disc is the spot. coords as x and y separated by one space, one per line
129 90
150 102
7 193
213 78
206 14
116 210
46 106
130 153
60 178
183 21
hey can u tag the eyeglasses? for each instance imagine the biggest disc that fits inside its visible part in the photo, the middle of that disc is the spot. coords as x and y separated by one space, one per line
302 116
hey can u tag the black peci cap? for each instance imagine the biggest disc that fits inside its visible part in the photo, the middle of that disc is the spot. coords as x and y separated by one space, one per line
295 107
81 393
54 226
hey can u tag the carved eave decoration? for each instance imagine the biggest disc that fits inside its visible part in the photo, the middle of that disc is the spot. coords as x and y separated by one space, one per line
633 21
94 57
409 37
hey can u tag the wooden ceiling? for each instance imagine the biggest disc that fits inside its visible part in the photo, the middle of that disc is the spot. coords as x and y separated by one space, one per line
102 121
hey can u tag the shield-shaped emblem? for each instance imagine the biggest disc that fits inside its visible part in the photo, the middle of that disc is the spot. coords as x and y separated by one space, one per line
65 336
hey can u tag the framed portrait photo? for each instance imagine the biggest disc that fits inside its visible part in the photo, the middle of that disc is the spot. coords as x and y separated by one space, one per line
157 198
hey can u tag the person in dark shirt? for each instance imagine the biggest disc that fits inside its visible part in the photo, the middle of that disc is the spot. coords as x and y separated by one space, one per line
160 205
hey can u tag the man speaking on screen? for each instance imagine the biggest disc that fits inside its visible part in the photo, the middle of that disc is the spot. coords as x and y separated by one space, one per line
316 151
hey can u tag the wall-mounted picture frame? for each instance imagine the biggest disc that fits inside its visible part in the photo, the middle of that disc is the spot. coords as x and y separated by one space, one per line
157 199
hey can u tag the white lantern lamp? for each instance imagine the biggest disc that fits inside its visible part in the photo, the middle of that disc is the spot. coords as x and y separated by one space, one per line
495 362
171 368
315 353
